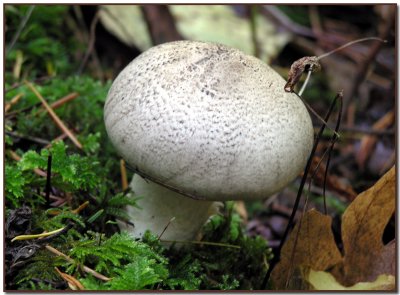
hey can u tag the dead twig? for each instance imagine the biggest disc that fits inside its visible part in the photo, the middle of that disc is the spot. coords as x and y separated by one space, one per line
54 116
34 139
64 100
60 102
85 268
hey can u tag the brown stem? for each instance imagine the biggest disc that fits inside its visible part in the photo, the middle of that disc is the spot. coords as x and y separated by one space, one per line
160 23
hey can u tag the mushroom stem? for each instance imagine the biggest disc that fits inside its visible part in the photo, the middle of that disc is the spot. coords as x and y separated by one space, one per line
165 213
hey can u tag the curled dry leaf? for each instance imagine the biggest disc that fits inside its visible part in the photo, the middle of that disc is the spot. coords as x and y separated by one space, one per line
73 283
365 256
308 63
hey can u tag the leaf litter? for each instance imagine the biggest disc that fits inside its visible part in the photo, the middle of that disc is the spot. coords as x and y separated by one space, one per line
316 261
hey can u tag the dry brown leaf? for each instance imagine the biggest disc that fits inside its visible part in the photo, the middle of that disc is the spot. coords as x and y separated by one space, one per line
365 255
315 248
363 224
73 283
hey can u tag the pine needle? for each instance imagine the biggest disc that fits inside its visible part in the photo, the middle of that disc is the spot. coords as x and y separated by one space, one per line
54 116
85 268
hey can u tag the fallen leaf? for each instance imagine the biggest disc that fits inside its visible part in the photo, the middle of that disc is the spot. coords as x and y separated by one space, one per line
320 280
73 283
363 224
315 248
365 257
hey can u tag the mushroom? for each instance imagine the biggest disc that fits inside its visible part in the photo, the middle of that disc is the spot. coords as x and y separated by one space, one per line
201 123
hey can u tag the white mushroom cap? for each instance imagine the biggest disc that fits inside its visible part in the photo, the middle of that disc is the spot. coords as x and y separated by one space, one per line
208 120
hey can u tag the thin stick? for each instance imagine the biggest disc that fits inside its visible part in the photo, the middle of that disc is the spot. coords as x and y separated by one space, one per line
20 28
54 105
203 243
85 268
37 140
54 116
349 44
318 116
48 180
165 228
333 140
64 100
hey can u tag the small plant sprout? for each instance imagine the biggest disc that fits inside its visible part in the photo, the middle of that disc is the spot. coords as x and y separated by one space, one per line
202 123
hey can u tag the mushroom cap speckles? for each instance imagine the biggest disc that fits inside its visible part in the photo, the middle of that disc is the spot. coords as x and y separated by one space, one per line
208 120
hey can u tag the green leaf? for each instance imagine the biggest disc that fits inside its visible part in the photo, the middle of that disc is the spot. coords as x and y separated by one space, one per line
141 274
14 184
112 252
31 160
